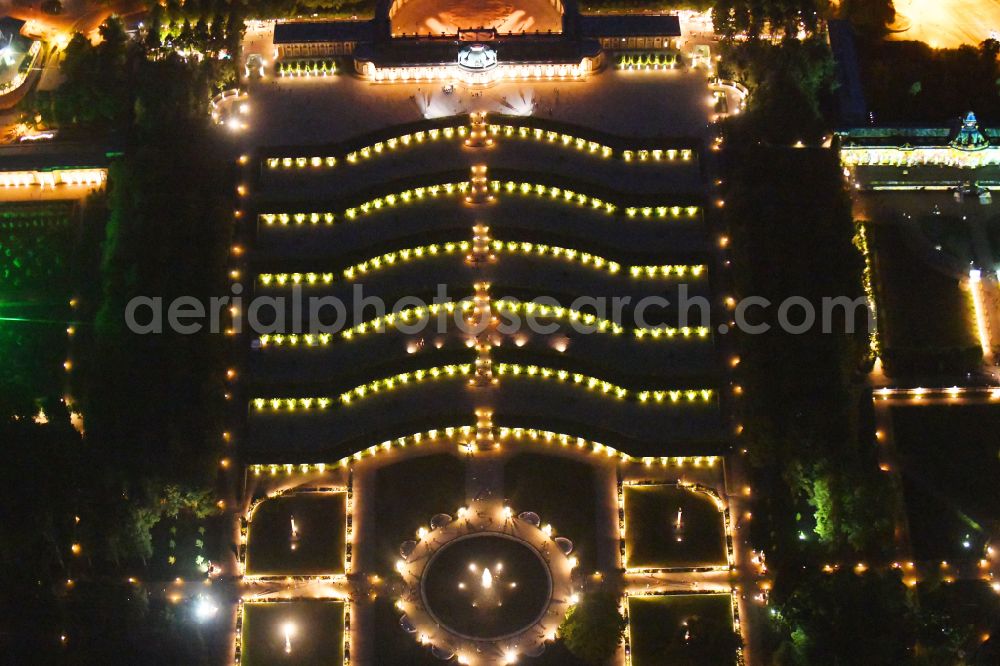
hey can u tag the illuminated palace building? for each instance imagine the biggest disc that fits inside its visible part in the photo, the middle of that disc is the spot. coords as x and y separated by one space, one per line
935 178
444 480
570 46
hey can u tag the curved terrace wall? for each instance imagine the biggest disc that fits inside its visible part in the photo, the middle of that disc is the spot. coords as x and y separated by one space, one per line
526 231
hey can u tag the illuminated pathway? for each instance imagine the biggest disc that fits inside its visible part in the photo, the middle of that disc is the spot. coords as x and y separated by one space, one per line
485 498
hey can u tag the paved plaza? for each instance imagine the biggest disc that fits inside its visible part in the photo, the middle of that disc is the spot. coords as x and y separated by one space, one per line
312 111
437 16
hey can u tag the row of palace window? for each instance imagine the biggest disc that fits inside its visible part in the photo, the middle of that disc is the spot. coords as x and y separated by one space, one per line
317 49
628 43
322 49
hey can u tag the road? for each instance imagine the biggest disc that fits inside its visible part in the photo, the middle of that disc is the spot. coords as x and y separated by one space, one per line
11 99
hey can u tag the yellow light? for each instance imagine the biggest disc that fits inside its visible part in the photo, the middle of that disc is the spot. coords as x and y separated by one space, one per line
979 305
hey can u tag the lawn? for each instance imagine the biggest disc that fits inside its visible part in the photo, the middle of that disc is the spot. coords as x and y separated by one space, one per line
562 492
407 495
36 248
320 519
651 539
927 320
556 654
316 637
950 464
951 233
682 630
33 348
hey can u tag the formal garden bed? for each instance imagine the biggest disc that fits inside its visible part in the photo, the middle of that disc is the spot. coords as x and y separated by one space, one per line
949 463
951 234
36 243
316 547
32 350
682 630
306 632
993 234
562 492
927 318
36 257
652 537
407 495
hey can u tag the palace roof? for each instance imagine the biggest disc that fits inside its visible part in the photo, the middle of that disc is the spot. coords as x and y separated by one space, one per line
620 25
304 32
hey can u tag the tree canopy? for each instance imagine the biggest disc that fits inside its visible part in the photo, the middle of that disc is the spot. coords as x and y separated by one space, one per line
909 82
152 405
593 629
789 84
